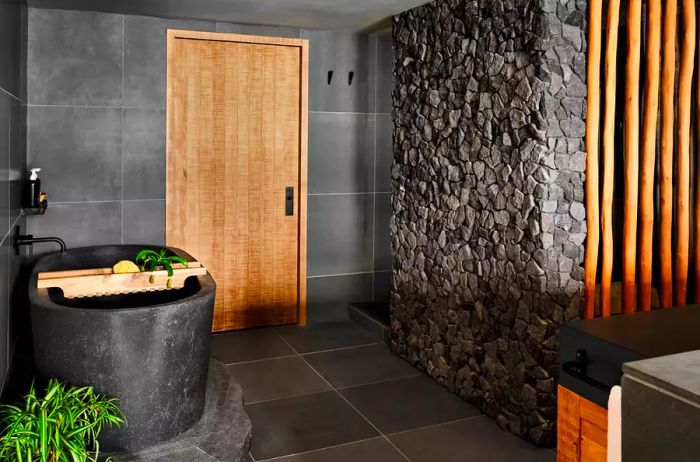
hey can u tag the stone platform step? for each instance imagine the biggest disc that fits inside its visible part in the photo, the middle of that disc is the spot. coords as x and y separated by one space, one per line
373 316
223 434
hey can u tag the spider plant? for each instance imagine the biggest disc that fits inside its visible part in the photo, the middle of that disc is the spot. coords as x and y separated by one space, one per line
150 260
62 426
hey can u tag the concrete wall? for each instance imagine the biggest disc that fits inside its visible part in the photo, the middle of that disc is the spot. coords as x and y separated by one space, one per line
489 224
13 28
96 86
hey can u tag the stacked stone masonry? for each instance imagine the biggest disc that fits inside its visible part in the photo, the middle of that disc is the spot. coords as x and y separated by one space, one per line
488 189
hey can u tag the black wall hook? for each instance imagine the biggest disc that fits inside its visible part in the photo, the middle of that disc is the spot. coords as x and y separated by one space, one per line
330 77
351 76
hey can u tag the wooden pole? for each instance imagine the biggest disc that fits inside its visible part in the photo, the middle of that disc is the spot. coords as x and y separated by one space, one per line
629 229
697 187
609 155
683 161
592 132
667 119
651 111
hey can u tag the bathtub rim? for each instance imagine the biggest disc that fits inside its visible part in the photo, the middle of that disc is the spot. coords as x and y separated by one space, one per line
40 298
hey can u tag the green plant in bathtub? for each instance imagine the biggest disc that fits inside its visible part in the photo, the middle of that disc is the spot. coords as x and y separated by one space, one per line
150 260
63 425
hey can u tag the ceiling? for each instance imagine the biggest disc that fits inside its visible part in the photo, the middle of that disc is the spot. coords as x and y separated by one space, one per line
339 15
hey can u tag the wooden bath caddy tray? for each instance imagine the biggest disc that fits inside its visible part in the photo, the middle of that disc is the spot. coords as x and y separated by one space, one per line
102 281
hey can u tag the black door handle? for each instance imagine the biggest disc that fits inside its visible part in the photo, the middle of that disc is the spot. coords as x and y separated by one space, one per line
289 201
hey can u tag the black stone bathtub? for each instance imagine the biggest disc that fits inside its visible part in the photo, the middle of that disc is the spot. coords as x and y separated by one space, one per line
149 350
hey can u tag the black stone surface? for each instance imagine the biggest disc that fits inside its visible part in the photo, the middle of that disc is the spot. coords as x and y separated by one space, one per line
149 351
611 342
488 218
223 434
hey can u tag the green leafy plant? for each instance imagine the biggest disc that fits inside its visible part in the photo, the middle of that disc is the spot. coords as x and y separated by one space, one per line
62 426
150 260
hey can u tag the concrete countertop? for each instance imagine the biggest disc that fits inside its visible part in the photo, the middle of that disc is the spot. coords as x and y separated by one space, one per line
678 374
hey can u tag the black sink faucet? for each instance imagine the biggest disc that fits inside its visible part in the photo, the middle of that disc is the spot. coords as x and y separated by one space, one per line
29 239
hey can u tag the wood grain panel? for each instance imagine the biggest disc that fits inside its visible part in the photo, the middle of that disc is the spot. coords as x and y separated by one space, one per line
606 207
683 158
646 194
629 228
582 429
667 131
235 128
592 141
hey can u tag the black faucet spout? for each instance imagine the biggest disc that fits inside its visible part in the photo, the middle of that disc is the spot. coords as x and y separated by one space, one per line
30 240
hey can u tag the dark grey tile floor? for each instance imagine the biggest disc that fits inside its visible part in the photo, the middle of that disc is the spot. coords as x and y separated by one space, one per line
333 392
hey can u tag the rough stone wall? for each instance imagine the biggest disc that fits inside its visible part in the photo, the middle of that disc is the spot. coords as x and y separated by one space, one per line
488 185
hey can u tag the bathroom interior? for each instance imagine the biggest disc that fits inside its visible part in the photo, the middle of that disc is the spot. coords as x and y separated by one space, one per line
379 230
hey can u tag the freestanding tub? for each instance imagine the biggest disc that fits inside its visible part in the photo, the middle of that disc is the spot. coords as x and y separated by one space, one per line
149 350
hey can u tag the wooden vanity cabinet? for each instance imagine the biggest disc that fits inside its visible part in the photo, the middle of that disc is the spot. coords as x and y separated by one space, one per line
582 429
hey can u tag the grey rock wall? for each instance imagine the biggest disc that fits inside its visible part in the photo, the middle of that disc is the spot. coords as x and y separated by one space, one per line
488 185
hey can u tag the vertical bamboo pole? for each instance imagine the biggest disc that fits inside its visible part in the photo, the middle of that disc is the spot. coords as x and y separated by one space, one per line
592 131
609 154
629 229
651 110
683 165
667 118
697 188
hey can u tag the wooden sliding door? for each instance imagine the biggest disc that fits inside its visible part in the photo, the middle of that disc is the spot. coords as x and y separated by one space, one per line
236 170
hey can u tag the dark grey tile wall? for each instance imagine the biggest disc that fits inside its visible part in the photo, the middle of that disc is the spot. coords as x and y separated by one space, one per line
97 128
81 63
13 126
350 155
145 58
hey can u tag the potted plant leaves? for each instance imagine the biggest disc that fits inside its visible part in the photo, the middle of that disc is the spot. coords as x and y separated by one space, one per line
64 425
150 260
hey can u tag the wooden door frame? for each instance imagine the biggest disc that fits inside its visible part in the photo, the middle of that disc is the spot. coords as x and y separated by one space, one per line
302 201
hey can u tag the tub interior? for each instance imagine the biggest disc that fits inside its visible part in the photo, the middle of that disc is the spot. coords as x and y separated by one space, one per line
123 301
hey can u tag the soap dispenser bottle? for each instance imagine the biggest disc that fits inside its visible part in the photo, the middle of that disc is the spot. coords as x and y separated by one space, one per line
33 189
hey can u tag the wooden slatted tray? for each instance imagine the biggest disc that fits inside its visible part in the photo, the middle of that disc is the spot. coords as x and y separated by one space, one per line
102 281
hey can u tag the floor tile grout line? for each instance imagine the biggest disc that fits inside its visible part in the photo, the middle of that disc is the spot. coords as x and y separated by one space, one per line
312 451
362 345
377 382
252 361
348 402
425 427
348 387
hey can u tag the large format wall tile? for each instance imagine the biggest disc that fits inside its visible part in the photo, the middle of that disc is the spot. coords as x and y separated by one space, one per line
384 152
382 234
145 58
342 54
341 153
80 225
329 297
75 58
79 151
18 155
382 286
19 323
266 31
144 222
144 153
385 73
11 36
5 110
340 234
5 290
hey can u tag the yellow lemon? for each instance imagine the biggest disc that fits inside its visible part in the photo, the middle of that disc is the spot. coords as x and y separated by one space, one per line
125 267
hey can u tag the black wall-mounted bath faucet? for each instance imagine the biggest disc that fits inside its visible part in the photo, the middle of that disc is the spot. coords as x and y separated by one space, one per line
29 240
